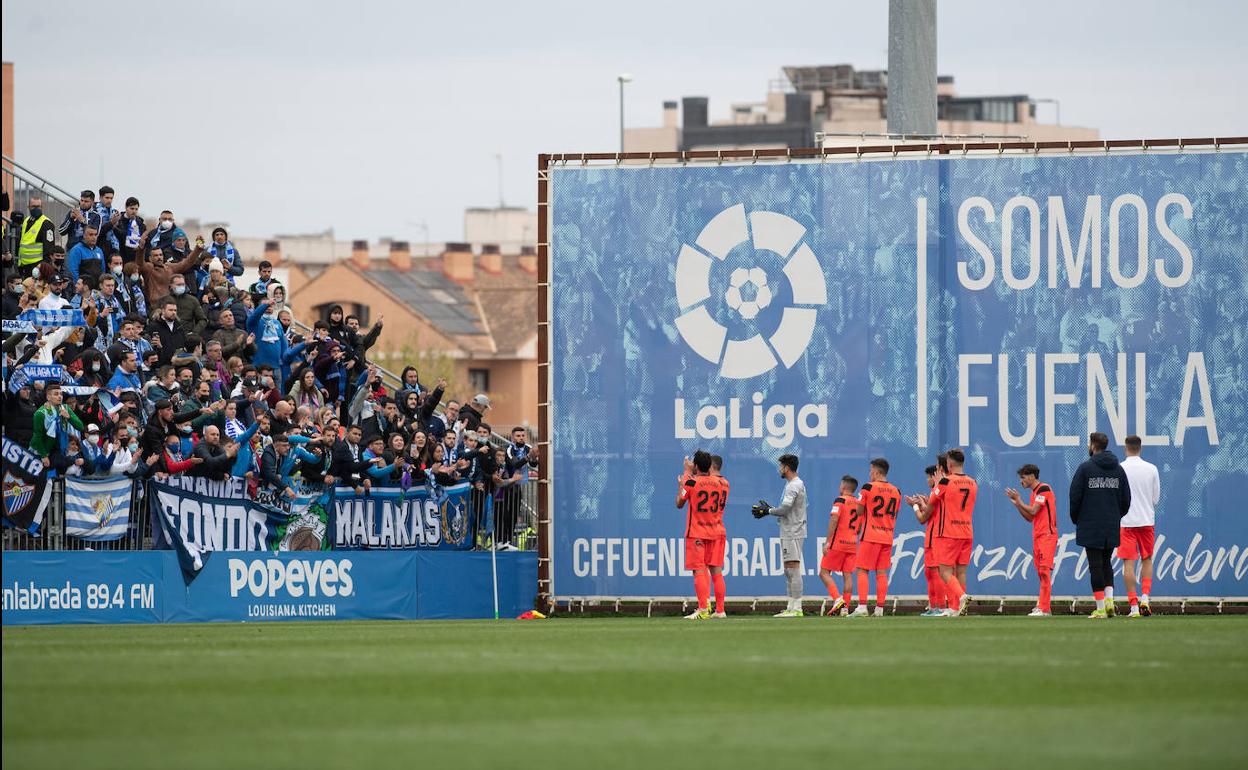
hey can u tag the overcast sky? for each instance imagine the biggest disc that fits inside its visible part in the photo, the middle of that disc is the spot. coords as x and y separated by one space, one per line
371 117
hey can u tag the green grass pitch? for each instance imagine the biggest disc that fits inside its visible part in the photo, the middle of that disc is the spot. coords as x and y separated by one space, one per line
751 692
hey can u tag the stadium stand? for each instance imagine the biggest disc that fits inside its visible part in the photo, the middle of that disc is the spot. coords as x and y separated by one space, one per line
169 366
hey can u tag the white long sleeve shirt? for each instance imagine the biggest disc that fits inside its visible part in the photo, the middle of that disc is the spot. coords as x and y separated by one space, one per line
1145 492
792 510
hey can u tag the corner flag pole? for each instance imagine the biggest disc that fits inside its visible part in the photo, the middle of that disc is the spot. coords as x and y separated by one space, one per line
494 554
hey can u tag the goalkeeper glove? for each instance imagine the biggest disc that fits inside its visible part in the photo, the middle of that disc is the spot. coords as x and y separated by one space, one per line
761 509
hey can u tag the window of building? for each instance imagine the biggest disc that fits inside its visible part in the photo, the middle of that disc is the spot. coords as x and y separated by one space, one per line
999 111
479 380
357 309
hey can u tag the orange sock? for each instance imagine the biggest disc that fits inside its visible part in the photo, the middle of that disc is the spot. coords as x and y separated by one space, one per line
833 591
881 588
1146 586
1132 599
849 589
862 589
933 579
1098 595
1046 591
702 587
721 590
953 592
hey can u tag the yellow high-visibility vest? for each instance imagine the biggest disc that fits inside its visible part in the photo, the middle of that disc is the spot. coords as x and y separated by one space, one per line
31 251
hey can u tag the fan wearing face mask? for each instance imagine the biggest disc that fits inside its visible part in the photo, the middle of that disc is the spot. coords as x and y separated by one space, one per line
13 291
161 235
190 310
36 236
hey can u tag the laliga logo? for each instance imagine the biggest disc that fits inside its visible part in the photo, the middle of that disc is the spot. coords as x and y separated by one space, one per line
749 292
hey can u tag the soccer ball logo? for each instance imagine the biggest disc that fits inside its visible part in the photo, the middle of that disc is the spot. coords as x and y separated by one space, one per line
749 292
742 281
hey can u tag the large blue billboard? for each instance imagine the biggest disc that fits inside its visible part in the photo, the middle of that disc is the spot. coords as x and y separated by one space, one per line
847 310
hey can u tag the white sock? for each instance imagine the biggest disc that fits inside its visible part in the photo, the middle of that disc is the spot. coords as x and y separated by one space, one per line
793 581
1144 598
1100 604
1109 593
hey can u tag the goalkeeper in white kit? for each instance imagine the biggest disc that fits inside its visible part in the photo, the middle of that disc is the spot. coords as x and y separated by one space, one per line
792 515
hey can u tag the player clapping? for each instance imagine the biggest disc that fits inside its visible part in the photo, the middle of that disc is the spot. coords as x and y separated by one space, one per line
936 593
953 501
880 500
843 524
717 572
1041 512
704 530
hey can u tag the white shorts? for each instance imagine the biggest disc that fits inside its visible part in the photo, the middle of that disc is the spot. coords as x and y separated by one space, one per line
790 550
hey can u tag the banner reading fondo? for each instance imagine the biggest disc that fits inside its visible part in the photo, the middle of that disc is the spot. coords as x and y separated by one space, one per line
843 310
196 516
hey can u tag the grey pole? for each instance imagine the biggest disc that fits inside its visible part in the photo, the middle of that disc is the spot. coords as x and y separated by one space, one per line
1056 103
622 80
912 66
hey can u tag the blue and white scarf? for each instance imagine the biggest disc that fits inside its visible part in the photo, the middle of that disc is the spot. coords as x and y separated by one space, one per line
133 234
226 254
136 296
13 326
59 428
106 215
53 318
107 399
103 341
29 373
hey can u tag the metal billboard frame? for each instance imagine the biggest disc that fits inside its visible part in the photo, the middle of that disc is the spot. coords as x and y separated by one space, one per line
546 596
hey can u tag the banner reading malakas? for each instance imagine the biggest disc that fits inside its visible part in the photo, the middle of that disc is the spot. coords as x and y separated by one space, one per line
196 516
418 517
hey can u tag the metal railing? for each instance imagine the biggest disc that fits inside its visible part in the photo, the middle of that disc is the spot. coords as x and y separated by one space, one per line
52 536
22 184
512 518
36 181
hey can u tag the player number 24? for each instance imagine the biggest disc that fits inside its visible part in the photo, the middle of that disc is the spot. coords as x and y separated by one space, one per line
878 508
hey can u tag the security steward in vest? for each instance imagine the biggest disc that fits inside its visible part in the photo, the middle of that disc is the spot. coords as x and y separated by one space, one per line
37 236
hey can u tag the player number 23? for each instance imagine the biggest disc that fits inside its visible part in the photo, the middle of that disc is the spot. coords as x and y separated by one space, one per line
715 499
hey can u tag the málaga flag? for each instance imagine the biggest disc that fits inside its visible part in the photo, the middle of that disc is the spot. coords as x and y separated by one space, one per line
26 488
97 509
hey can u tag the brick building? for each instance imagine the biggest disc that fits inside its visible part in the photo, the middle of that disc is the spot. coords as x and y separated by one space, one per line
479 310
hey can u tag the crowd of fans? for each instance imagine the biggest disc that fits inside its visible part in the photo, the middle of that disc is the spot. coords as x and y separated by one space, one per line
180 369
